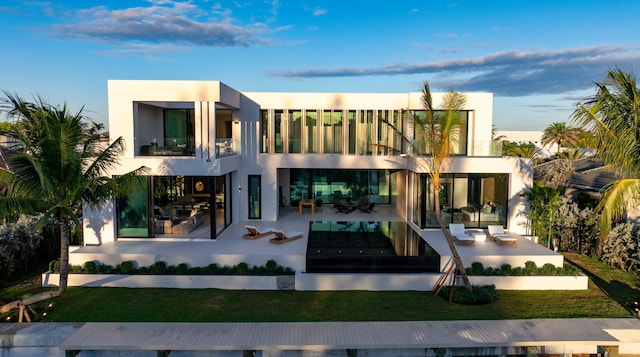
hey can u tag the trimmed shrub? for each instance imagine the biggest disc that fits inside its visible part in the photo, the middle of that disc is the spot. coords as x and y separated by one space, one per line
481 295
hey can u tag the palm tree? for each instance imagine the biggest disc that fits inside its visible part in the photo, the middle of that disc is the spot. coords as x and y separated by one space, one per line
57 165
432 151
559 133
613 116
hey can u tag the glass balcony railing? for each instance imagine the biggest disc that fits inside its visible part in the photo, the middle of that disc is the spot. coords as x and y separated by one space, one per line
227 147
167 147
490 148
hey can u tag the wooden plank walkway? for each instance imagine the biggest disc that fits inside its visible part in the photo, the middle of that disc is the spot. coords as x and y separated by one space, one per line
342 335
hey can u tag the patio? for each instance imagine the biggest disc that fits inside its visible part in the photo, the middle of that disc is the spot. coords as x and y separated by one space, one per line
230 249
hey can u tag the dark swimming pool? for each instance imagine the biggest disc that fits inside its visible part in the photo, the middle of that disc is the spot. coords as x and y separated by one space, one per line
368 247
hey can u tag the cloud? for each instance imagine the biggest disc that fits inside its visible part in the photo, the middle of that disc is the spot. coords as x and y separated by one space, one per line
319 12
507 73
164 22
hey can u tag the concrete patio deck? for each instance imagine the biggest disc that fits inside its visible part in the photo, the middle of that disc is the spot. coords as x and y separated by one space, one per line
230 249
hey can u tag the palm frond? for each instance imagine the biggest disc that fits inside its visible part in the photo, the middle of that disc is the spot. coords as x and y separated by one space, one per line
616 200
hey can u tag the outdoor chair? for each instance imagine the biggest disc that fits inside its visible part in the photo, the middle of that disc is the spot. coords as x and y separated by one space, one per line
497 234
284 237
341 207
459 234
368 208
256 232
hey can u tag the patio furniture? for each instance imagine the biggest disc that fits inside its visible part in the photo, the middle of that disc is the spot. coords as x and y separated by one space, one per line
497 233
479 237
282 237
341 207
256 232
368 208
307 203
457 230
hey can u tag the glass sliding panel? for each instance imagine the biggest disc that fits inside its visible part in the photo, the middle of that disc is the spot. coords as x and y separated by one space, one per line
351 127
494 197
133 214
278 132
264 129
178 133
295 131
397 138
460 142
327 132
365 132
383 133
255 205
337 132
311 131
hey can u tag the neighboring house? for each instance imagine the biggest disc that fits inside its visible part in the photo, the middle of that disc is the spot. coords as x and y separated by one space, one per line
214 152
526 137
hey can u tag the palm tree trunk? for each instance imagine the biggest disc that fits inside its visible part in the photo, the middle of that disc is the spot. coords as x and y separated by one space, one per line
63 224
456 257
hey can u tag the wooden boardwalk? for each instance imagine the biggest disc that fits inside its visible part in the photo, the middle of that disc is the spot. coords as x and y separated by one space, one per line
352 335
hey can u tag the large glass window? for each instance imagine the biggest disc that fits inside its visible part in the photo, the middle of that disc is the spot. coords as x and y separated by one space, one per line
176 206
311 132
278 131
346 185
264 129
351 123
332 122
295 131
132 211
476 200
458 138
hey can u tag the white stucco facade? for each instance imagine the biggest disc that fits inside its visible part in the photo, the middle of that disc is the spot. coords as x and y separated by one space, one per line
222 114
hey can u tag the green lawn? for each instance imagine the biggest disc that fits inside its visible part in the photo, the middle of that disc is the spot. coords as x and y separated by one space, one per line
212 305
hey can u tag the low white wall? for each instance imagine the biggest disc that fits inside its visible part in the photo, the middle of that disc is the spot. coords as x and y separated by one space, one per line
579 282
230 282
316 282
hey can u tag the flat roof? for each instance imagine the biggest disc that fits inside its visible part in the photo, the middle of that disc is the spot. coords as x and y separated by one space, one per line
340 335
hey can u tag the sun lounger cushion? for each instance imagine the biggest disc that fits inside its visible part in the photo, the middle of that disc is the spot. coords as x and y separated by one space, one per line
459 234
284 237
257 232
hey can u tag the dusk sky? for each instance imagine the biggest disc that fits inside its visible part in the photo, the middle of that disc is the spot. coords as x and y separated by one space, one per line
537 57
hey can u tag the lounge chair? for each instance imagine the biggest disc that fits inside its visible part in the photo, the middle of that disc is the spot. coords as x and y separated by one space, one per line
368 208
256 232
341 207
282 237
457 230
497 233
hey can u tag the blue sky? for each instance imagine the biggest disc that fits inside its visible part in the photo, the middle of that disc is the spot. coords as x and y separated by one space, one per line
537 57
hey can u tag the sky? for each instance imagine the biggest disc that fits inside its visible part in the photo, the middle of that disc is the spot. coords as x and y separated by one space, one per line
539 58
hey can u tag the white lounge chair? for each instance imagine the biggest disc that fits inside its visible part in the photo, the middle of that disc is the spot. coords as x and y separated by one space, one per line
257 232
497 233
459 234
284 237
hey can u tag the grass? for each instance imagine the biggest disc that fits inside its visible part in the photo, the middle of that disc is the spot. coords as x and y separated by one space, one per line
211 305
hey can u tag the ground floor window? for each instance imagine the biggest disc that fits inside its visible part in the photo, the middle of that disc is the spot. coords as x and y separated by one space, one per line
324 185
476 200
178 206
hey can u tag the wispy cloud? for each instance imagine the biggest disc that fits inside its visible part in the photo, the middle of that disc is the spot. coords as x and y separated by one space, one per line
508 73
319 12
164 22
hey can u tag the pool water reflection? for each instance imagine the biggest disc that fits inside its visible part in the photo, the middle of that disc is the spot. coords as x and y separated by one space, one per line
368 247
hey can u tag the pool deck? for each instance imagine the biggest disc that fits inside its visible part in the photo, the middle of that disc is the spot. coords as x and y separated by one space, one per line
231 248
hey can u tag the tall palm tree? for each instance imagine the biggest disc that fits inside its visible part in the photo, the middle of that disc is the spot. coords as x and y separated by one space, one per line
432 151
613 116
559 133
58 163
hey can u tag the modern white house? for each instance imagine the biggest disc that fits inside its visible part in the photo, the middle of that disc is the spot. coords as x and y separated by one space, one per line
220 159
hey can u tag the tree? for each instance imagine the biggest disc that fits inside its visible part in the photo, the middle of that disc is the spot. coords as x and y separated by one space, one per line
559 133
612 115
432 150
544 202
58 163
